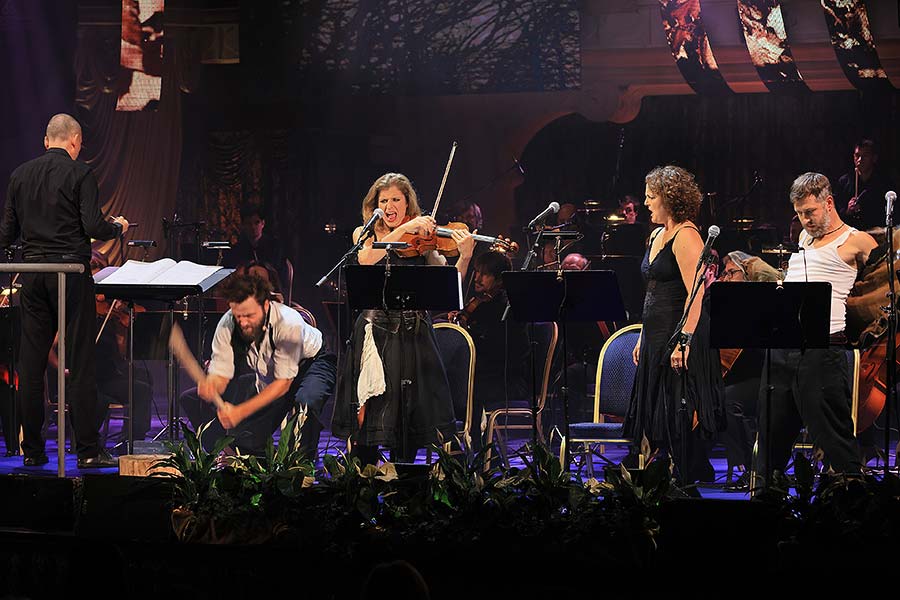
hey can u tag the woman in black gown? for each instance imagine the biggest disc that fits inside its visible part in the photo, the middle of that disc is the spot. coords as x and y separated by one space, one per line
393 347
669 268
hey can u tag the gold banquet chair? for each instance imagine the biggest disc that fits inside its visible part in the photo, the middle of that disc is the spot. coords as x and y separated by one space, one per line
612 396
457 351
518 416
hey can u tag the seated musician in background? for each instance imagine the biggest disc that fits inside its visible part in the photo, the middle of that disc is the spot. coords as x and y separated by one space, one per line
254 244
267 362
112 353
859 194
628 208
501 347
741 370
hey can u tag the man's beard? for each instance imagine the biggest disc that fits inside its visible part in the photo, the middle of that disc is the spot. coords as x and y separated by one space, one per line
253 334
820 230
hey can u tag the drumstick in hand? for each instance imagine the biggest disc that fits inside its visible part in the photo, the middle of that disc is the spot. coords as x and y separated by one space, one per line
181 351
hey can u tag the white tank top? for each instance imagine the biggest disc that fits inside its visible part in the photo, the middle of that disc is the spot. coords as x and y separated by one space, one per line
824 264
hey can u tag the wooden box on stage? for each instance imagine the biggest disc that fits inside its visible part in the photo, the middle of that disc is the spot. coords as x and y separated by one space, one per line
141 465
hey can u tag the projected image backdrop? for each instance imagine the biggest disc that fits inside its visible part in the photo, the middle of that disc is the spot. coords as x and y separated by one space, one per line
141 54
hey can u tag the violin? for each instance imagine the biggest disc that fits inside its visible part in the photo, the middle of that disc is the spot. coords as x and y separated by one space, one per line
462 317
117 311
442 242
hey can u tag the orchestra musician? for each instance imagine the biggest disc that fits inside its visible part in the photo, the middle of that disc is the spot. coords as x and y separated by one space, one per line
501 347
742 369
394 391
813 386
859 194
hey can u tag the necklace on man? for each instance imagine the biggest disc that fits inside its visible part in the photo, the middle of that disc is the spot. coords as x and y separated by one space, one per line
827 233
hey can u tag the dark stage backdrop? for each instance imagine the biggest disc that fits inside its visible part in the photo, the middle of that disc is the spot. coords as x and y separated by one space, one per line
36 41
723 141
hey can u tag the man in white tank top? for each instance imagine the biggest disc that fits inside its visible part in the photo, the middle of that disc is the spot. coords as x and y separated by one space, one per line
813 387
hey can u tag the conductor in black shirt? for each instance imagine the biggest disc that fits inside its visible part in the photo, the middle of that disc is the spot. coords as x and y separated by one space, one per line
52 203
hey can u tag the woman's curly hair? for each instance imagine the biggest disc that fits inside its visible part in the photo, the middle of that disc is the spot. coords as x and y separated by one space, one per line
679 191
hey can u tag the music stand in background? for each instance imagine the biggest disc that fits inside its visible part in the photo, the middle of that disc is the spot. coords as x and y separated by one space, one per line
769 315
402 288
170 295
562 297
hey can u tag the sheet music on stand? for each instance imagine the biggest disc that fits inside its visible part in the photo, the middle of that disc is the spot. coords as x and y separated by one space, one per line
163 280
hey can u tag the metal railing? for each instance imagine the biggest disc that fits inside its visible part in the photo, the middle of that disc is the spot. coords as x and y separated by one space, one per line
60 269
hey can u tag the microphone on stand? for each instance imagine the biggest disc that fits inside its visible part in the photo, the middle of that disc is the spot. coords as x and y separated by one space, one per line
552 208
710 238
376 214
889 200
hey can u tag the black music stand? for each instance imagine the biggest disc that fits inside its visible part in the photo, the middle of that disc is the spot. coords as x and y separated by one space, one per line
562 297
392 287
769 315
169 294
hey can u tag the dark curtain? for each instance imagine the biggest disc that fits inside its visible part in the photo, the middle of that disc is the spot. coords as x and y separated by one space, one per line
36 41
136 155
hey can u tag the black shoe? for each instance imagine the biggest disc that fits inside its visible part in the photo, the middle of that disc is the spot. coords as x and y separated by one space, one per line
102 461
35 460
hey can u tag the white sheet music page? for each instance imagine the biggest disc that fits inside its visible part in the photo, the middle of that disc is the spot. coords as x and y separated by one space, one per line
134 272
185 273
164 271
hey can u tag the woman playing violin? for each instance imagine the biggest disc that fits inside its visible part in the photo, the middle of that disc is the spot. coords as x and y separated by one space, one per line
395 351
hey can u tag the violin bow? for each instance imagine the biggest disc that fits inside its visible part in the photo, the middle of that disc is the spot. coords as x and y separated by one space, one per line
440 193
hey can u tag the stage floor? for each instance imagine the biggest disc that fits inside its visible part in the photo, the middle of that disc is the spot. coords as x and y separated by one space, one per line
328 444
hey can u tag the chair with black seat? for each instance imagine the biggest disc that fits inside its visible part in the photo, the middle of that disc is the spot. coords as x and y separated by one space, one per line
457 351
612 396
518 414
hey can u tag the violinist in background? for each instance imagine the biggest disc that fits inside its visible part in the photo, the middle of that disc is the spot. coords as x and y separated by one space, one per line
393 350
501 347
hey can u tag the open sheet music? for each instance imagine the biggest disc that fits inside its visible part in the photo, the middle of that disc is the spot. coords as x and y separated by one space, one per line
161 272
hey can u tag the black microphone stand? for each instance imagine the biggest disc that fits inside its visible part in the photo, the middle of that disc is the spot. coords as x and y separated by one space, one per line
891 350
679 339
351 252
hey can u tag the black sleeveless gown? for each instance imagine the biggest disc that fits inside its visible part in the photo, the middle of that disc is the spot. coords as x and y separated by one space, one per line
656 395
408 350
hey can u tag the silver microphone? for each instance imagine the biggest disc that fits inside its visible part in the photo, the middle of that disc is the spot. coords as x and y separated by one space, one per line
552 208
376 214
889 200
711 236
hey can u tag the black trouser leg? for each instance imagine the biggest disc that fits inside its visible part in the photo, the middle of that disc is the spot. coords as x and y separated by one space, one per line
38 328
824 403
317 381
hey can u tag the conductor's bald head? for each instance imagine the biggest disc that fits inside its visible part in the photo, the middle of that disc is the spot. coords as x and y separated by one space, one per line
63 131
